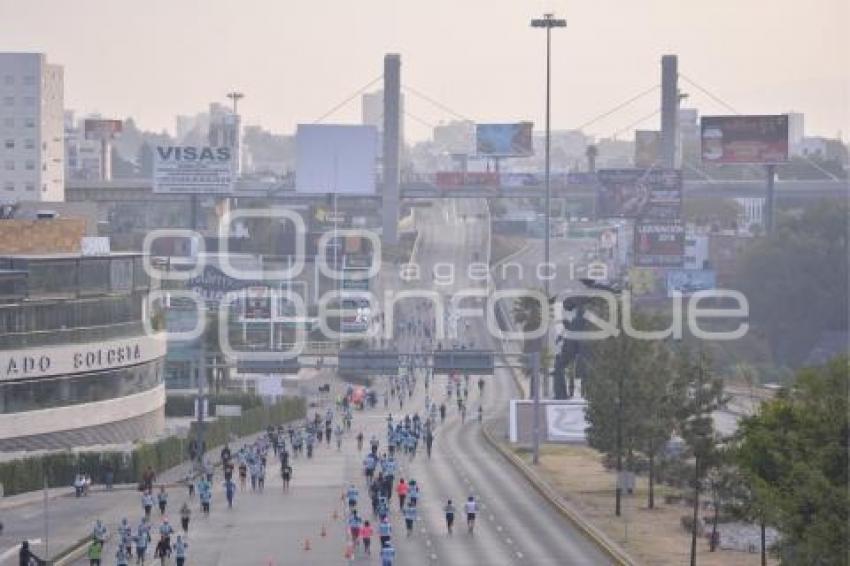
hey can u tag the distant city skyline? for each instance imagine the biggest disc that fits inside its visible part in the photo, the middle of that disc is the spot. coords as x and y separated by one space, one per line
296 60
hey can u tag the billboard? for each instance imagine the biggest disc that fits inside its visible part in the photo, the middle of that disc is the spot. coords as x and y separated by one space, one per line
504 140
659 244
188 169
454 179
647 148
744 139
640 193
689 281
333 158
96 129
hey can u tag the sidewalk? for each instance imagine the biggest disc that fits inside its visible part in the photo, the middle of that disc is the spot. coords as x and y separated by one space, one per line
71 518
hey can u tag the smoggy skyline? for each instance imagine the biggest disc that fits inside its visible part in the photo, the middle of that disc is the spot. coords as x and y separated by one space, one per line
295 60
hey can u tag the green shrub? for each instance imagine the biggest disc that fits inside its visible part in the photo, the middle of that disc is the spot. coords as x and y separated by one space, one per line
27 474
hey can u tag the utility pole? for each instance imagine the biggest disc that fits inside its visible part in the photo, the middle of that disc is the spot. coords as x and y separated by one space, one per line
547 22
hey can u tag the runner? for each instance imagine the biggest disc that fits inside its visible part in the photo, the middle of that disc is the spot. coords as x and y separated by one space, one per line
366 535
385 531
471 508
286 475
180 547
401 490
409 517
143 537
354 523
229 492
162 499
387 555
185 515
449 510
147 503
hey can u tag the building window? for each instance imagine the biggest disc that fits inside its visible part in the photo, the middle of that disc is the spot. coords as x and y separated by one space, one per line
9 79
9 165
29 122
29 80
30 186
9 122
9 186
29 101
29 143
30 165
8 100
10 144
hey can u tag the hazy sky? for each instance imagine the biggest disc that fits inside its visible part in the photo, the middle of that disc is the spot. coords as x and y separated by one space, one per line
296 59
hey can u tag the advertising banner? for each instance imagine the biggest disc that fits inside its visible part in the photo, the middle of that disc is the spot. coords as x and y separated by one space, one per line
335 159
744 139
659 244
647 148
455 179
640 193
689 281
504 140
193 170
102 129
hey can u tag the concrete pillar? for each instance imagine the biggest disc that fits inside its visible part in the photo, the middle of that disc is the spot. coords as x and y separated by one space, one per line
669 109
392 146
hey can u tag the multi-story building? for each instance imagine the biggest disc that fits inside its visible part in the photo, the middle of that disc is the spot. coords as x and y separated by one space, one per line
82 156
32 153
81 361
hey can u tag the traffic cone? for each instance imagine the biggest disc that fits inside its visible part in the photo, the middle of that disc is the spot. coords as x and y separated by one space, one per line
307 544
324 531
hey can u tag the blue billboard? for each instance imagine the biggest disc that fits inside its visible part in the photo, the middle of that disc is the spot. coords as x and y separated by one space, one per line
689 281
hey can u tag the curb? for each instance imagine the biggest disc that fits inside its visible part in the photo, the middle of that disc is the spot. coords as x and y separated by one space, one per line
548 493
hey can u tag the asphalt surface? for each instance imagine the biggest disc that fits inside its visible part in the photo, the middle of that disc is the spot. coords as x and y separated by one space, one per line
515 526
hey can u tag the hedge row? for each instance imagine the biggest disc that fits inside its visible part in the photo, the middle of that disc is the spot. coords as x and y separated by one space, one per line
27 474
184 405
216 432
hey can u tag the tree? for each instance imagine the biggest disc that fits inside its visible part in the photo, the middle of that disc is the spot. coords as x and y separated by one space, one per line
660 396
796 280
795 456
631 395
704 395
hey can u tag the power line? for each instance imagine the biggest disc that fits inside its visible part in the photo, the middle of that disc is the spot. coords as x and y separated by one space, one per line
436 103
348 99
616 108
636 122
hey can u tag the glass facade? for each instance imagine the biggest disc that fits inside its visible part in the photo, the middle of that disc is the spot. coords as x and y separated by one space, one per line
46 393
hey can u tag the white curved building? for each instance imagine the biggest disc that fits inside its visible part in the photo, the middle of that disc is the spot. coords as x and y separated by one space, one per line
77 366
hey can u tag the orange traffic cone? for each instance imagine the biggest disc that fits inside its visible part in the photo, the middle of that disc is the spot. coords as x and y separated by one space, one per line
307 544
324 531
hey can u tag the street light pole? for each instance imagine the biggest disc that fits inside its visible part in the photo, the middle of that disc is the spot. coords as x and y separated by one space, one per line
548 21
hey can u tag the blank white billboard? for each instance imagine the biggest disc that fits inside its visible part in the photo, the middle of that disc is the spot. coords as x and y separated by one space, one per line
332 158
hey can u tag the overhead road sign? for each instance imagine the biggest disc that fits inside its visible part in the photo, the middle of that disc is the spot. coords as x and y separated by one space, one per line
477 362
368 362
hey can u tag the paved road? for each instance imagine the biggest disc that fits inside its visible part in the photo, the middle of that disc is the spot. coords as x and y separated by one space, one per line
516 525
